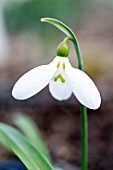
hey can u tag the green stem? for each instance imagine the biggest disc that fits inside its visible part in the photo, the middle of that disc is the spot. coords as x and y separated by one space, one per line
78 53
84 124
84 132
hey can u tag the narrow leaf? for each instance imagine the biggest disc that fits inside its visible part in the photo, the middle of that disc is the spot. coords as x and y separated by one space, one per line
29 128
24 149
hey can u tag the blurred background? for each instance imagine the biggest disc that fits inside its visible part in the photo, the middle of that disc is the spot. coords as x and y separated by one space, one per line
25 43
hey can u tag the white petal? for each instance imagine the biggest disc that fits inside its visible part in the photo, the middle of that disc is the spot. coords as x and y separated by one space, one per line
60 91
34 81
83 88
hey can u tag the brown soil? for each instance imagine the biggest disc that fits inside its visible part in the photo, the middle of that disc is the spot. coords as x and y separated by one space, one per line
59 123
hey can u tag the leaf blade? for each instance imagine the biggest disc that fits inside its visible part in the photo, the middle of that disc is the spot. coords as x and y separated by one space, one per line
29 128
14 140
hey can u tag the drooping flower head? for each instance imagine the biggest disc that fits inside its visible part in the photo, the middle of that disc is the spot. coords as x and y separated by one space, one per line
63 80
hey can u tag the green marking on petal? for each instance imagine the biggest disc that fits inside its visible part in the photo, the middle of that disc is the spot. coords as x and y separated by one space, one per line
58 65
63 66
59 77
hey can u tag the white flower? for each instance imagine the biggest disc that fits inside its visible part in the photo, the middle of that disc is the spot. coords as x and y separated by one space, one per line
63 79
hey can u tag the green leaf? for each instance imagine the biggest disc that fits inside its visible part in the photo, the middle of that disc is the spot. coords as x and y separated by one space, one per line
29 128
23 148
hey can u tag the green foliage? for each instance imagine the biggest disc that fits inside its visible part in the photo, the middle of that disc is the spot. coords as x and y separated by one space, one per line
29 128
26 15
23 148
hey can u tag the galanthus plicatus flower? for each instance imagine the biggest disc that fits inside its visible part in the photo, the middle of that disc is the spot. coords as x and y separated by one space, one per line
63 80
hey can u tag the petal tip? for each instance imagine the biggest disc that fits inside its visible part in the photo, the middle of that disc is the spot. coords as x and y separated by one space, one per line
96 105
16 95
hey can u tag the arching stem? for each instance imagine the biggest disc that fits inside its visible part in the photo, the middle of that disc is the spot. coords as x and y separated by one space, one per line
84 129
83 110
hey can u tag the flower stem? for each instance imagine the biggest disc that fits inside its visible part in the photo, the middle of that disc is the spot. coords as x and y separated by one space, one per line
78 53
84 132
84 135
83 109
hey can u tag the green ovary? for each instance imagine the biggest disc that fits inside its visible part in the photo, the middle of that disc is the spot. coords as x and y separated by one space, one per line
59 77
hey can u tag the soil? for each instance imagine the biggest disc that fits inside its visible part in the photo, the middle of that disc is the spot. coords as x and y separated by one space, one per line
59 123
11 164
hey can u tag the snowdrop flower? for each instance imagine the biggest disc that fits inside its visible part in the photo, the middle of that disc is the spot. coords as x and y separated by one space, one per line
63 80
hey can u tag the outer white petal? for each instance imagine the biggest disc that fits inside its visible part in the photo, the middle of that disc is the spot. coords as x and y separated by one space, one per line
60 91
34 81
83 88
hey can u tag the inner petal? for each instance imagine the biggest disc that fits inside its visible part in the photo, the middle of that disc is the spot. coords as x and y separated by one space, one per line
59 86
